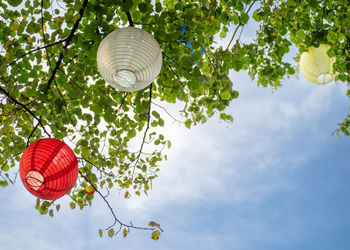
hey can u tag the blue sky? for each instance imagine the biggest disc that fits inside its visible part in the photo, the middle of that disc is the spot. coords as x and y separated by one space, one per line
274 179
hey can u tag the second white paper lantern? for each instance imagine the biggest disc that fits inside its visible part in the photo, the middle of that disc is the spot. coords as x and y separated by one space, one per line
316 66
129 59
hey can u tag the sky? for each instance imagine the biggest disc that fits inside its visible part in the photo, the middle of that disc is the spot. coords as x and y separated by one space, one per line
274 179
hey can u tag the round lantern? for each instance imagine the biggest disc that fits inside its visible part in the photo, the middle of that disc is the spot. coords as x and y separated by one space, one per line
129 59
316 66
48 169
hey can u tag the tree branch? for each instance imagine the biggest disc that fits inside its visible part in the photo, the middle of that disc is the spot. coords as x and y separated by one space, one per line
68 40
26 108
34 50
31 134
116 220
99 169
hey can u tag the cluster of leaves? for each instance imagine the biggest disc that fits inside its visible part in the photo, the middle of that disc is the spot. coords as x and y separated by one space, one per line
50 85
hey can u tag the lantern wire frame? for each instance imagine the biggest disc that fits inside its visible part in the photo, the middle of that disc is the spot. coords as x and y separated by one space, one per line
129 59
316 66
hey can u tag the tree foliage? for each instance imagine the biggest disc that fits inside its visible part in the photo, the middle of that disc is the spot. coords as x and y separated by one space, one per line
50 85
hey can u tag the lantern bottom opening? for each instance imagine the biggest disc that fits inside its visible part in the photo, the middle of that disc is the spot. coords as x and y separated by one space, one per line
125 78
324 78
35 180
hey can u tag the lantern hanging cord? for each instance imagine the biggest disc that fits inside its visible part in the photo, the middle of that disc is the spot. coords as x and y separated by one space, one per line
129 17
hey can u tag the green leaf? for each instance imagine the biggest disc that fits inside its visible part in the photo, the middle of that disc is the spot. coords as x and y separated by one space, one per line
226 95
127 4
72 205
188 123
132 133
4 183
155 114
244 18
158 7
5 167
14 3
109 116
143 7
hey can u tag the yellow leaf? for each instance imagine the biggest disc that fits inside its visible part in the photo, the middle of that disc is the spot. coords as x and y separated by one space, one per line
6 44
128 98
76 17
155 235
125 232
89 190
41 31
127 195
111 232
58 20
153 224
3 118
45 56
14 25
29 39
100 232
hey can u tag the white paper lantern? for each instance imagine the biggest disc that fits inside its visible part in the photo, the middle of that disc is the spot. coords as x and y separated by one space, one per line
129 59
316 66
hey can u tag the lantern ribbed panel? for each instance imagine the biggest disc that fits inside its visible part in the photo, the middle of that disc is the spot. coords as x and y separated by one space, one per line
316 66
48 168
132 55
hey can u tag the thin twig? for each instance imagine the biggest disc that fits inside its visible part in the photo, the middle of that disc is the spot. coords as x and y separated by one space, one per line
239 25
166 111
147 127
111 209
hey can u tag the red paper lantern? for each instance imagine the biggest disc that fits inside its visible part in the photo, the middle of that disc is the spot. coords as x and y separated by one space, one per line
48 168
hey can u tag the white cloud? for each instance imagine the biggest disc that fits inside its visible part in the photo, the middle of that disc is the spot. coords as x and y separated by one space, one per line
246 161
